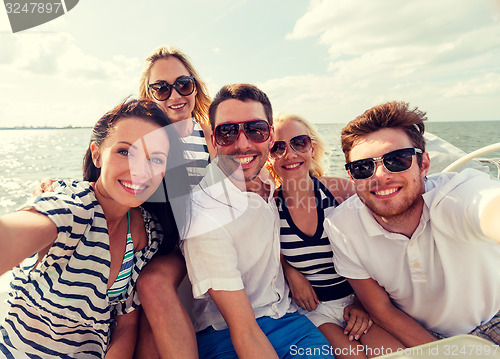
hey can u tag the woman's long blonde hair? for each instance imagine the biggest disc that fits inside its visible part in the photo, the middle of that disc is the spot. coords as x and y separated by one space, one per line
202 99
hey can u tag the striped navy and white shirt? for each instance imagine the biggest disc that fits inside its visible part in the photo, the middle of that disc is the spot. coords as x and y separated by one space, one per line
312 255
60 308
196 154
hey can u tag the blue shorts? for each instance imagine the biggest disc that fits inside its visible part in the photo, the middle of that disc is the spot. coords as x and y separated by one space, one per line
293 336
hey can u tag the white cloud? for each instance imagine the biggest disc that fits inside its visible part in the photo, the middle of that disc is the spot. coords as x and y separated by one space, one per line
418 50
56 54
317 98
487 85
356 26
62 84
427 52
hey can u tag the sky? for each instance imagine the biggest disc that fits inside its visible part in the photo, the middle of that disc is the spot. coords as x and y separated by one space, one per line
326 60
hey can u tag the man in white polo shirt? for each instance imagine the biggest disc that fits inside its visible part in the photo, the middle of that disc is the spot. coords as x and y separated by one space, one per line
242 306
422 254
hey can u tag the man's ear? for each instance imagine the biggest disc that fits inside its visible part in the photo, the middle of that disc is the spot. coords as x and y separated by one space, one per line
426 164
271 137
96 154
214 143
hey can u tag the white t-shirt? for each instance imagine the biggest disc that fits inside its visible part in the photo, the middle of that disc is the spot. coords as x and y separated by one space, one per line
233 244
447 275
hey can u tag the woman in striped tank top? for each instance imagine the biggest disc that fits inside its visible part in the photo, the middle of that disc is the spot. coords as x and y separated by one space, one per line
304 199
89 240
171 80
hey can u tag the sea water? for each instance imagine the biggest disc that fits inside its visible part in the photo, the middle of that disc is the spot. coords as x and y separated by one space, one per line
28 156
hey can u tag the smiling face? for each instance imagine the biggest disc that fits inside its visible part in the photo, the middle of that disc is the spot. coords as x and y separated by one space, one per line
243 160
132 161
293 165
177 107
390 195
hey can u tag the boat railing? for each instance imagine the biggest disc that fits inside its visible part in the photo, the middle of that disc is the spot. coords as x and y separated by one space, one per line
476 154
494 161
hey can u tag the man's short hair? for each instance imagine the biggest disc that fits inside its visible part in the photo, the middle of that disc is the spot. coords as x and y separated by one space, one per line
241 92
388 115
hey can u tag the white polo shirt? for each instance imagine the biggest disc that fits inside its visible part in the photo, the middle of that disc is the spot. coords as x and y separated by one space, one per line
447 275
233 244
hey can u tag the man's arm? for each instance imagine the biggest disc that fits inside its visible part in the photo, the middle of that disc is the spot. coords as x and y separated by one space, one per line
248 339
378 304
490 220
168 319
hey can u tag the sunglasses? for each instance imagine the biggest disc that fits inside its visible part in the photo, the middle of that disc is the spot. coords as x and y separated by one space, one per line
395 161
162 90
300 143
256 131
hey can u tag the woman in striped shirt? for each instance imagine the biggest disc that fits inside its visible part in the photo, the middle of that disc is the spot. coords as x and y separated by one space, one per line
75 297
172 82
304 199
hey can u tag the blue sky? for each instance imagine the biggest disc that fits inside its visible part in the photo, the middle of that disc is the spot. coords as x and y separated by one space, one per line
328 61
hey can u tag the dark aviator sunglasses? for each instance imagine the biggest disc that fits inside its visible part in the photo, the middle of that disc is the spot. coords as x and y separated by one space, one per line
301 143
394 161
162 90
256 131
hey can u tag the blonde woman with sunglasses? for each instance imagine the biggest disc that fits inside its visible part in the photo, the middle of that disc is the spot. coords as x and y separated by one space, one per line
171 80
304 199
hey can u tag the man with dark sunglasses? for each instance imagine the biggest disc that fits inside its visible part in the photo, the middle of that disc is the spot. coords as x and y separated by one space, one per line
422 253
242 306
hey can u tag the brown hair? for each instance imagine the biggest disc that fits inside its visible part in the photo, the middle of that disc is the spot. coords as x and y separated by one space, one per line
241 92
143 109
202 99
159 204
388 115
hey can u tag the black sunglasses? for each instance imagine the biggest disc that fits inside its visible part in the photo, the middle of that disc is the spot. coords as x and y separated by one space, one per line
162 90
301 143
227 133
395 161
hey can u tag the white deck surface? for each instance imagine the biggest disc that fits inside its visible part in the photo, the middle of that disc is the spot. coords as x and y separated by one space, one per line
458 347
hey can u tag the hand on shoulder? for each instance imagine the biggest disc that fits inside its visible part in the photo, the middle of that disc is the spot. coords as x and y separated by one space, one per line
45 185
